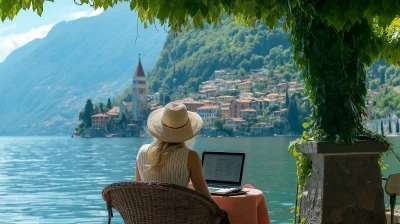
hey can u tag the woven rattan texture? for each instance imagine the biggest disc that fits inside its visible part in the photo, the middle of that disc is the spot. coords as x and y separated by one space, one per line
156 203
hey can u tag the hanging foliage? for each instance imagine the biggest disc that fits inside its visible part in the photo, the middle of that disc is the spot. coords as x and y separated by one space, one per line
333 42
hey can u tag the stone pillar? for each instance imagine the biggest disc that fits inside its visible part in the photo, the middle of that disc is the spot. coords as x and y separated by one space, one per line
345 186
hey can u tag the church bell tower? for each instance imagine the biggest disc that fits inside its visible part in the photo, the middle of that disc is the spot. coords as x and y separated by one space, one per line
139 93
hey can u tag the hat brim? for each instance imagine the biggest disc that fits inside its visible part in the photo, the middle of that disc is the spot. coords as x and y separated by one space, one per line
173 135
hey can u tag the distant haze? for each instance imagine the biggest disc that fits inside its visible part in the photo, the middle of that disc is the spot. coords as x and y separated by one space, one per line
45 83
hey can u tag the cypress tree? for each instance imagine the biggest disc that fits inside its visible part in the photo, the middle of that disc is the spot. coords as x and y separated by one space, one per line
88 113
293 115
161 100
397 126
109 105
167 99
287 97
101 108
390 127
123 119
382 131
382 78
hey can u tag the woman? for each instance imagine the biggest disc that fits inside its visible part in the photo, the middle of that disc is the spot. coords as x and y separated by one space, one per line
168 159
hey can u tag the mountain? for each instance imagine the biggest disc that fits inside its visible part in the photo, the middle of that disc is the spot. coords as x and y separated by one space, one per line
44 83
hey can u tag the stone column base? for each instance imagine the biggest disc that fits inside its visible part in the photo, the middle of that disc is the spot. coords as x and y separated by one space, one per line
345 186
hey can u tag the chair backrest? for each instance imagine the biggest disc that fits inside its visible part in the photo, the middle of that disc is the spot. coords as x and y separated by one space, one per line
154 202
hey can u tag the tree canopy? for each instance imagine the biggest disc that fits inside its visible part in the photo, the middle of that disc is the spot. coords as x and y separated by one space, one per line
178 15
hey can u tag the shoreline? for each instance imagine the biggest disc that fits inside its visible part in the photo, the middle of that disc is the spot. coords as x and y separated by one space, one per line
205 136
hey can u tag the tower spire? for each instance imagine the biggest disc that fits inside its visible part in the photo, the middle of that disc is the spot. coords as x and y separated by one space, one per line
139 69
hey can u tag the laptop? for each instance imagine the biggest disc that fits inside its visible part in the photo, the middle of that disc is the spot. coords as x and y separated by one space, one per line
223 171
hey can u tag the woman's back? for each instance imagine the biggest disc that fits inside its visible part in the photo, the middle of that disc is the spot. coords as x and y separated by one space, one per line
174 170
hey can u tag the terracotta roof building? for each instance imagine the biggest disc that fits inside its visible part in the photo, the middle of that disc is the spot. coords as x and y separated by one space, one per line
193 105
248 113
208 111
238 105
99 120
113 114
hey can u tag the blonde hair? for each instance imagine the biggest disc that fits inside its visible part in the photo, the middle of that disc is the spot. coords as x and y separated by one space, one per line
159 151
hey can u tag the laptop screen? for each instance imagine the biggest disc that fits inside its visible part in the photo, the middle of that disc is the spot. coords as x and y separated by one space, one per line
223 167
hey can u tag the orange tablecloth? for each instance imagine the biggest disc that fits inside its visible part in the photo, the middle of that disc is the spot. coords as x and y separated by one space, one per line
250 208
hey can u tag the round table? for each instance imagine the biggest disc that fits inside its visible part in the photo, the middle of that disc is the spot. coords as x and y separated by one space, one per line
249 208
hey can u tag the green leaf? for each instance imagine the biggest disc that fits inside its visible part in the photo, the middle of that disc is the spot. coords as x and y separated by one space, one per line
367 60
352 15
386 3
284 26
197 20
270 2
386 19
154 5
336 20
187 26
306 125
370 13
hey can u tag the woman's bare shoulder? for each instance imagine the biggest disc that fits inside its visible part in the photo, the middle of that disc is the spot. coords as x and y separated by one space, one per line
193 155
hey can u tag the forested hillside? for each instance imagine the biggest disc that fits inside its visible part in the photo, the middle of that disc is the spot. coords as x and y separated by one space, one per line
192 57
384 79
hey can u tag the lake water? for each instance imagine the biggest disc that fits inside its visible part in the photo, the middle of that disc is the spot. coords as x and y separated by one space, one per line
60 179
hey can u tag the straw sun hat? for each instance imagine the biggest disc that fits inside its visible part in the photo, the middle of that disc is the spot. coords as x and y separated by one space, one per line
174 124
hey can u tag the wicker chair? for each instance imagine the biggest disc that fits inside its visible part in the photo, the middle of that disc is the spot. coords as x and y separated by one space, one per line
154 202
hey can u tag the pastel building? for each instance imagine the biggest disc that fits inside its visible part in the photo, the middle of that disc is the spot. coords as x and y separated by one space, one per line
125 108
193 105
224 99
238 105
248 113
208 111
236 124
208 122
244 87
225 113
113 114
99 121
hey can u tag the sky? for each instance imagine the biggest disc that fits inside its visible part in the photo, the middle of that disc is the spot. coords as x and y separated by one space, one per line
27 25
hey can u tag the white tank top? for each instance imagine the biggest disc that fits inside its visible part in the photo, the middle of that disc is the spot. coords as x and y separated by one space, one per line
173 171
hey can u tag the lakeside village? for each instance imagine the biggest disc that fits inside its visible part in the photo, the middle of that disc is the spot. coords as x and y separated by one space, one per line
253 105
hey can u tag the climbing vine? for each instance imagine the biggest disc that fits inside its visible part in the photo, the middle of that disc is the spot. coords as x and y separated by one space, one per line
304 166
303 163
332 55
